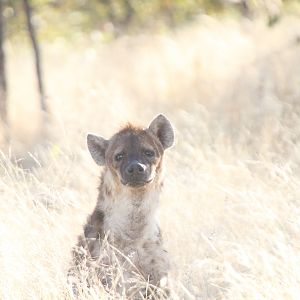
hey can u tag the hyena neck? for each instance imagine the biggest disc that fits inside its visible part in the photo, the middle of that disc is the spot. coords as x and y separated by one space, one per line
129 214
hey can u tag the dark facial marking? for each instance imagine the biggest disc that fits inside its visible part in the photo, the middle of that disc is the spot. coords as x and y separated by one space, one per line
134 154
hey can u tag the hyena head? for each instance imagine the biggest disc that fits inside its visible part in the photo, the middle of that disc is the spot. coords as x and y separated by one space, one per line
134 155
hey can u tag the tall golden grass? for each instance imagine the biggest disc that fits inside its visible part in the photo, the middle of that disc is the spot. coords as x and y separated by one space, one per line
230 210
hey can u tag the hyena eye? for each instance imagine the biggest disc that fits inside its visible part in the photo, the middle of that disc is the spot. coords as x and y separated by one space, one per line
149 153
119 156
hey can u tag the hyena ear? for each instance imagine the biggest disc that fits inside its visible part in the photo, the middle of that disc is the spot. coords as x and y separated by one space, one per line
97 146
163 129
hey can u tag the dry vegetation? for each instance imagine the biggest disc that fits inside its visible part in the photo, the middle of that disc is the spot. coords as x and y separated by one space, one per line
230 211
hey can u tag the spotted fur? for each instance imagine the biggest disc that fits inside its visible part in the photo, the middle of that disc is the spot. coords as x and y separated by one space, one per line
126 214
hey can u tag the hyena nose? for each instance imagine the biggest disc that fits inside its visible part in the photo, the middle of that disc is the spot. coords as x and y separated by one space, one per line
135 168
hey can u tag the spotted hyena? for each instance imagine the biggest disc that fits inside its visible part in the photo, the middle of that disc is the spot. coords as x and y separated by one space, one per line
125 215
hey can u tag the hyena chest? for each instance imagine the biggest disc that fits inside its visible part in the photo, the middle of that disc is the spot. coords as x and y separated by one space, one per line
130 228
131 221
137 240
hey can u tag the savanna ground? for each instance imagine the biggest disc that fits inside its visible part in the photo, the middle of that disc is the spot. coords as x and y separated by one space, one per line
230 210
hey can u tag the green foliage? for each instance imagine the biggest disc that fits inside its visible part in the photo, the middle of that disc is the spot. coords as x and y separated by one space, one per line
68 17
110 18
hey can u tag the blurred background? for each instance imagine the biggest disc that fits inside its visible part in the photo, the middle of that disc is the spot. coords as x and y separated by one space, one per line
227 75
58 56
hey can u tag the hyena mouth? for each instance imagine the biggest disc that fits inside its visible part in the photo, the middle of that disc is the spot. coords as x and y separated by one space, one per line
137 183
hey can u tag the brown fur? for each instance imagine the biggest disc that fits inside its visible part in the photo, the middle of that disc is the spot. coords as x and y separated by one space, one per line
125 214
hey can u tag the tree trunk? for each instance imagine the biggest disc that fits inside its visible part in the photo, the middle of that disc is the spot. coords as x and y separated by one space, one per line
129 12
37 56
3 91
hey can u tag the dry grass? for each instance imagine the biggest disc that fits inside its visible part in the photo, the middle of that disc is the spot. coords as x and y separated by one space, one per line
230 211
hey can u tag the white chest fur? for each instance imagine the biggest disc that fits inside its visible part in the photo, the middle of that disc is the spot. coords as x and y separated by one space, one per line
131 216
